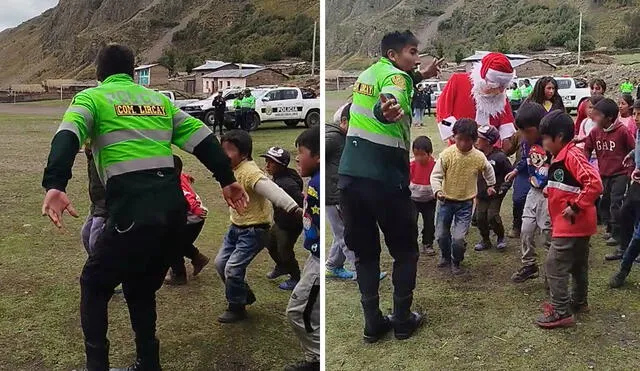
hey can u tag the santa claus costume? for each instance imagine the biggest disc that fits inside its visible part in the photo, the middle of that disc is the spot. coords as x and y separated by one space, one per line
478 95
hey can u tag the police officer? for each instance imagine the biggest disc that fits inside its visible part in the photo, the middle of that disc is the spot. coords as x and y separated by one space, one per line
237 109
219 107
374 183
131 130
248 108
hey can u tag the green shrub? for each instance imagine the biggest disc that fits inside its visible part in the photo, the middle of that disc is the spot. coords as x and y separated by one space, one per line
537 42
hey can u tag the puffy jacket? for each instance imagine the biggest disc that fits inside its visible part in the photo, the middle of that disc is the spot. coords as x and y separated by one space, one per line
196 211
573 182
334 144
292 183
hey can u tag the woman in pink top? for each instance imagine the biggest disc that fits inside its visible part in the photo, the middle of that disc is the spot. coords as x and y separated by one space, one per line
625 105
587 125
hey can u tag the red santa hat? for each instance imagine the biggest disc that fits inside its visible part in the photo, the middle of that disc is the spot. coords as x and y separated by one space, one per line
496 69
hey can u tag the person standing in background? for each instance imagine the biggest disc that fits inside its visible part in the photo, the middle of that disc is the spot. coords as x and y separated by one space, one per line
418 104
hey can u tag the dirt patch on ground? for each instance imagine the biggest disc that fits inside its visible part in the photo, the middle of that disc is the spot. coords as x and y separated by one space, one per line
30 109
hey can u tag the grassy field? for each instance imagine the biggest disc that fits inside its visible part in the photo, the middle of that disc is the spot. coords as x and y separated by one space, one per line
40 268
482 321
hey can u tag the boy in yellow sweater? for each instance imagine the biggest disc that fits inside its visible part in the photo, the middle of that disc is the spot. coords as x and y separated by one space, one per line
454 182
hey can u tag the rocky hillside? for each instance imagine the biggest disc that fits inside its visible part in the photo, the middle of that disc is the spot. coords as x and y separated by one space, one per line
63 41
450 27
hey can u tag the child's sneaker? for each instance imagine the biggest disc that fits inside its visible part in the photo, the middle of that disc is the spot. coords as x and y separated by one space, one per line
275 273
514 233
579 308
340 273
234 313
456 270
551 319
612 241
288 285
199 262
428 250
616 255
618 279
525 273
483 245
444 263
606 236
304 366
501 245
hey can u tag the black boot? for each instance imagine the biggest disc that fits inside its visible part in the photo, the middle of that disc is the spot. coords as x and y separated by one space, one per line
97 356
148 357
403 320
376 325
234 313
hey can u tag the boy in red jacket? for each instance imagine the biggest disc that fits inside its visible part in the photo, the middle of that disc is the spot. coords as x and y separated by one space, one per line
196 215
572 190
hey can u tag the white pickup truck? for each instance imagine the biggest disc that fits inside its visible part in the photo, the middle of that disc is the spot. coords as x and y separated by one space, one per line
273 103
178 99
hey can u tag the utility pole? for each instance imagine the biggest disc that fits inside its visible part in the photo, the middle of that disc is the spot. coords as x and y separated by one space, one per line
579 38
313 54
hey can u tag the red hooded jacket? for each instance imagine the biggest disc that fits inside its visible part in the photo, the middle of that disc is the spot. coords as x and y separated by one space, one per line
573 182
196 211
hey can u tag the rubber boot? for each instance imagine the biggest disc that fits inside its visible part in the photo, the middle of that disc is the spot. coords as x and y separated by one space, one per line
97 356
376 325
404 321
148 356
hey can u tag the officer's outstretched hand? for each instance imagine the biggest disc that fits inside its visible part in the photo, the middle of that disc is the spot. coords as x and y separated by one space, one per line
432 69
391 110
236 196
55 203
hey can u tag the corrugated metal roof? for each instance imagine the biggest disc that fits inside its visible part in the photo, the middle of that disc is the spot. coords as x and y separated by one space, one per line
145 66
234 73
211 65
480 54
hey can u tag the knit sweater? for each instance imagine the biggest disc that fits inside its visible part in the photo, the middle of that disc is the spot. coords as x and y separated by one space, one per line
456 173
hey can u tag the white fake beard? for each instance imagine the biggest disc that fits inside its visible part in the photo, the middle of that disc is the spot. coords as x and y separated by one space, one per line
489 105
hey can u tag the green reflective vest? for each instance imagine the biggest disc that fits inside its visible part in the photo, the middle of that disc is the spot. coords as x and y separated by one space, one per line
626 87
237 102
525 91
374 149
514 95
130 128
248 102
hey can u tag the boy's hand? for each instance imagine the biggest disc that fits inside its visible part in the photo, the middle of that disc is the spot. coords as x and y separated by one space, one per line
54 205
509 177
440 195
391 110
491 191
235 196
635 176
627 161
204 213
568 213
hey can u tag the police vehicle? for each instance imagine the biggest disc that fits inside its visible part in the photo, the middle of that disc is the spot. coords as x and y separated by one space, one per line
273 103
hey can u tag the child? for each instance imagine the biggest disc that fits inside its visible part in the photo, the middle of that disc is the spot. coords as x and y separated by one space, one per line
611 142
625 105
597 87
534 162
572 191
247 233
421 193
196 214
587 125
286 228
488 207
303 310
454 182
629 213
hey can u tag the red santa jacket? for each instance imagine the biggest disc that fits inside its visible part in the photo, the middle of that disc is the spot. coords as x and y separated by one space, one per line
456 102
196 211
573 182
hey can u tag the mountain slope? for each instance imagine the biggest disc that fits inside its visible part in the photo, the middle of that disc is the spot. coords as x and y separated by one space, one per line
355 27
63 41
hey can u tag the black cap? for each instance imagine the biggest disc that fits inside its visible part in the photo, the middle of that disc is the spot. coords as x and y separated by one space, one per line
279 155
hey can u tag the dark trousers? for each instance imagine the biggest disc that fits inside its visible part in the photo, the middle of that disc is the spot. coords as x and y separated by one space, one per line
629 214
612 197
367 209
239 113
428 212
138 256
218 121
488 217
567 257
281 243
190 235
521 188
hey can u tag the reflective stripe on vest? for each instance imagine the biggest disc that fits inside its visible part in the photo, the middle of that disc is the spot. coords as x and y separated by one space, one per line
71 127
196 138
384 140
131 134
179 118
124 167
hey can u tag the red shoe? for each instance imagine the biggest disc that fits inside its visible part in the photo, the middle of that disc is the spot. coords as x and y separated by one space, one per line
551 319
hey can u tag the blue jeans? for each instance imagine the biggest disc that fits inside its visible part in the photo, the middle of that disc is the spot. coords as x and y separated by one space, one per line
451 240
418 115
239 247
93 226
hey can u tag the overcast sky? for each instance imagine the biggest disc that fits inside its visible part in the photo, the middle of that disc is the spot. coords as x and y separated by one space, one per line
14 12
